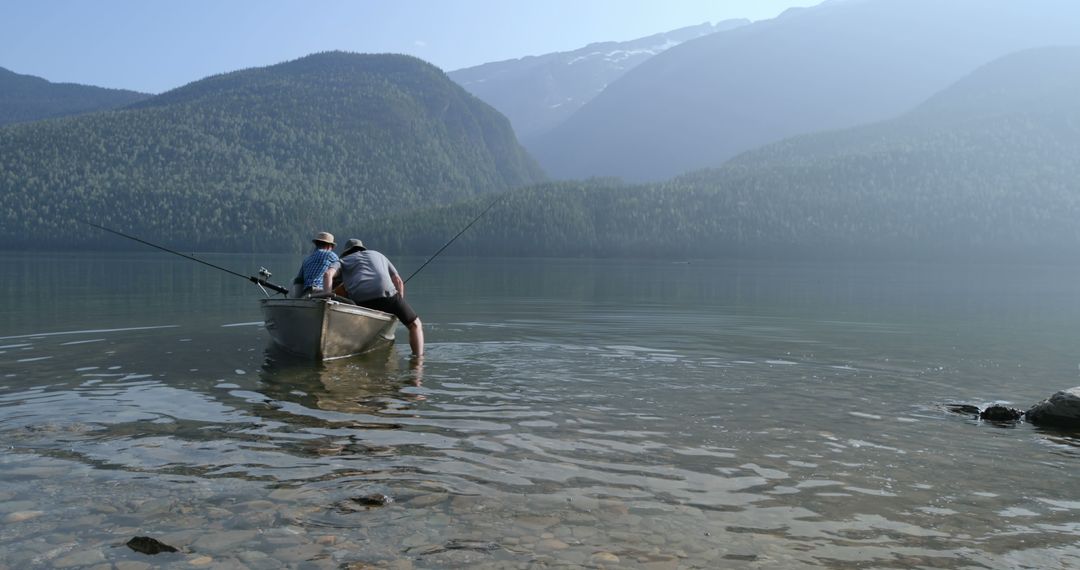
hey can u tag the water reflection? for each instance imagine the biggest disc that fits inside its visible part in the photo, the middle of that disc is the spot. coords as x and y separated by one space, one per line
771 417
372 383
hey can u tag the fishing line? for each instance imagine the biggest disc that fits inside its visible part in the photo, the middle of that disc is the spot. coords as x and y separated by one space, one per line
477 218
253 279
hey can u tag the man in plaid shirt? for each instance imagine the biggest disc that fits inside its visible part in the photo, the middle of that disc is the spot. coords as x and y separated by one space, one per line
320 266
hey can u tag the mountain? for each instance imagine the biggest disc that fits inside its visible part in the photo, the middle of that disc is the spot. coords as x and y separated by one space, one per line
260 158
538 92
837 65
986 168
28 98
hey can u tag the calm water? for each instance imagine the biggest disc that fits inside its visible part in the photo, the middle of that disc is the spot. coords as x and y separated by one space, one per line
568 413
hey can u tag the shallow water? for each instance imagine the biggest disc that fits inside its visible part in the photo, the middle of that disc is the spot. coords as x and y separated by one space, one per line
568 413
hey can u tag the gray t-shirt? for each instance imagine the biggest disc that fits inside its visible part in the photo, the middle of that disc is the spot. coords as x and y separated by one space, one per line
366 275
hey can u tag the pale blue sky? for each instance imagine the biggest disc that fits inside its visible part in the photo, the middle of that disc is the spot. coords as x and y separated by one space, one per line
153 46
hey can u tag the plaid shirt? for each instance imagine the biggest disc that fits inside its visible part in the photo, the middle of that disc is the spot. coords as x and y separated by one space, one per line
315 266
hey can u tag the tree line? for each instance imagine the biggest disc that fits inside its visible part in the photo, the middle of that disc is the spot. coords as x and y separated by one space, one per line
255 160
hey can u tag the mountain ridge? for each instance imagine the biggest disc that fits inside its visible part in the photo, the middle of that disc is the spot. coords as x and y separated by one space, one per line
835 65
325 140
538 92
25 98
998 182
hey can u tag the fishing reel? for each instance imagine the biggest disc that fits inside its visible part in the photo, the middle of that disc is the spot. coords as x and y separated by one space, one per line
264 279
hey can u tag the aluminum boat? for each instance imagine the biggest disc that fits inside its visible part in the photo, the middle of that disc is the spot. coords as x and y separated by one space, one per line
325 329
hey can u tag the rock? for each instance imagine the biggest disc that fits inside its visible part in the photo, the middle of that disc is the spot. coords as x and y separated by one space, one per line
258 505
537 522
20 516
415 540
1061 410
372 500
672 564
82 559
584 532
452 545
604 558
553 544
292 556
999 413
151 507
254 557
426 500
994 413
147 545
216 513
11 506
129 565
963 409
223 541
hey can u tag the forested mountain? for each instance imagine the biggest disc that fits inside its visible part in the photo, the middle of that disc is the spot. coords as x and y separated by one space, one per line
258 159
986 168
538 92
837 65
28 98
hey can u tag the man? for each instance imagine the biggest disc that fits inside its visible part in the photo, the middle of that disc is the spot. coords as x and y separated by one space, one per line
319 267
371 281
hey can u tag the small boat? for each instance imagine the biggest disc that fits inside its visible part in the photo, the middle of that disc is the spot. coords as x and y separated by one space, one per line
319 328
325 329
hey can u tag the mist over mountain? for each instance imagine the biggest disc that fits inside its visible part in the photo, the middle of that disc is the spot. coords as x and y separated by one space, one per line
538 92
28 98
258 159
984 169
833 66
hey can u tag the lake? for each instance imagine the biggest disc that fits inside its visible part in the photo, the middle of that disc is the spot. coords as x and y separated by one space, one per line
613 413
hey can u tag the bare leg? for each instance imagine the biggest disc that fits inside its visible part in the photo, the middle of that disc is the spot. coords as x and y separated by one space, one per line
416 337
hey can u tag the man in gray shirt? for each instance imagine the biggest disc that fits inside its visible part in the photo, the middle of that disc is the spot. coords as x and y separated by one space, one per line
372 281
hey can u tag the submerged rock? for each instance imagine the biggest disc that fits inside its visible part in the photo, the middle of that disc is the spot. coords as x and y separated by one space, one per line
995 413
373 500
147 545
455 544
999 413
963 409
364 502
1061 410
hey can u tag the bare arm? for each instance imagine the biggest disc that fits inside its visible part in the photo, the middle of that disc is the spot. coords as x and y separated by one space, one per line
328 278
398 284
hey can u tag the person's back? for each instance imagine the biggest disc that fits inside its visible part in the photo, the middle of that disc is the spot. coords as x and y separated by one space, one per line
367 274
318 267
315 267
371 281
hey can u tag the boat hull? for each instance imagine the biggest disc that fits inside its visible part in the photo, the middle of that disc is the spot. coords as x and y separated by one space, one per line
324 329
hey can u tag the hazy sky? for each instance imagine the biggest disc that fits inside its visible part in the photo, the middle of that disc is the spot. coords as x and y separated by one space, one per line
153 46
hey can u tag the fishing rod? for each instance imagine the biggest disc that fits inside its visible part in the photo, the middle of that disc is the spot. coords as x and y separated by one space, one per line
477 218
261 280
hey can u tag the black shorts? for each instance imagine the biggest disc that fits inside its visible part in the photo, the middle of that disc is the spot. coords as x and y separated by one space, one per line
394 305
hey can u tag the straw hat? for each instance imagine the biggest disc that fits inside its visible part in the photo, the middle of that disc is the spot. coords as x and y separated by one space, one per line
323 237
